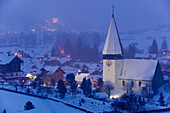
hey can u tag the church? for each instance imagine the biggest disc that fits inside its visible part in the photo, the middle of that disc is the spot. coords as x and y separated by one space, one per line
140 74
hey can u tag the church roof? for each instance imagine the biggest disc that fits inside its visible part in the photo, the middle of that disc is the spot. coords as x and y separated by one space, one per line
137 69
112 44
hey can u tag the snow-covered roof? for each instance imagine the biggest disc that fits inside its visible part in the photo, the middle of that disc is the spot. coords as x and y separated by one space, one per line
100 95
51 69
69 69
63 60
142 55
29 63
145 55
4 59
79 76
112 45
137 69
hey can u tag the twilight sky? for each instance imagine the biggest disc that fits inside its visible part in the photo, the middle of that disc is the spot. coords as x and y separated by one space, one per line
86 14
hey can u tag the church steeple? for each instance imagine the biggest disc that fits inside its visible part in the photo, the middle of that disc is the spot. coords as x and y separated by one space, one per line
112 48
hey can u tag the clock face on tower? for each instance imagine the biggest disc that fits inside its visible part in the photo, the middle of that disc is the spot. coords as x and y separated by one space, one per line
108 63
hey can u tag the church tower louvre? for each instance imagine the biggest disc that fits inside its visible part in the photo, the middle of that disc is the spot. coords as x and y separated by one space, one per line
112 54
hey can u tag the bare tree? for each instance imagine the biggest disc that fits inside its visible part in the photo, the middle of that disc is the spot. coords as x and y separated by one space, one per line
108 88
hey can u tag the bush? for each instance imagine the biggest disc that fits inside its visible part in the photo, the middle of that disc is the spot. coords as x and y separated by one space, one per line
29 106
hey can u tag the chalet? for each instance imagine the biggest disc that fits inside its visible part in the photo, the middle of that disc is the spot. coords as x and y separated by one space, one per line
51 73
10 66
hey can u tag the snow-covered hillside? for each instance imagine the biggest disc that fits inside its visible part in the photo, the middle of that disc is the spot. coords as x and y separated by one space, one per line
14 103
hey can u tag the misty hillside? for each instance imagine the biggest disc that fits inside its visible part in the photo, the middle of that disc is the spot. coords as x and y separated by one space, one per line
144 39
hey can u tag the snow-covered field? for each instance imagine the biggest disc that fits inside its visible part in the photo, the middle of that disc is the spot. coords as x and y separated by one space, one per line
14 103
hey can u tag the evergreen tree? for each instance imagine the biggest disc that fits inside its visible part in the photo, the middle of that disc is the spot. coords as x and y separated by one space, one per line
154 47
70 78
29 106
79 50
34 84
71 82
164 45
161 100
4 111
131 51
95 53
28 90
68 47
61 88
73 87
53 52
88 87
83 85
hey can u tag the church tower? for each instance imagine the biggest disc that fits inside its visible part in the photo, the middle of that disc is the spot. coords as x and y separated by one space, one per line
112 55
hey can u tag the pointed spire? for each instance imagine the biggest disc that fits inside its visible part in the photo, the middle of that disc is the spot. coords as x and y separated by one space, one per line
113 9
113 44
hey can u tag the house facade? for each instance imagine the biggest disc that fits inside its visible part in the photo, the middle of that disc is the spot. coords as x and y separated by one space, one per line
51 74
10 66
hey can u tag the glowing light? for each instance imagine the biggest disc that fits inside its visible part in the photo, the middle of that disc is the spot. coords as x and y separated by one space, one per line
164 53
19 55
15 54
68 56
62 51
32 30
116 96
57 59
54 20
31 76
23 80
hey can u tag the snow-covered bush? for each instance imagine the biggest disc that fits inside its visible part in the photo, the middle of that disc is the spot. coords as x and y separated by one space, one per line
29 106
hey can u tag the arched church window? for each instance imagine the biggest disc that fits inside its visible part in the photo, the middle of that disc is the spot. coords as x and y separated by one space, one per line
123 83
132 83
139 83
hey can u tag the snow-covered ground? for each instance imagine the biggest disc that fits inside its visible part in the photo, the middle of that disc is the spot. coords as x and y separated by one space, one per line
165 90
14 103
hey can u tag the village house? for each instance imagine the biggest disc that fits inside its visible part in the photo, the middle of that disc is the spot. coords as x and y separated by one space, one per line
81 75
10 66
51 74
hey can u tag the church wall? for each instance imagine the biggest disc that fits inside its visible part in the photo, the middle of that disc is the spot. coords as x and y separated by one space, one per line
118 69
136 86
158 79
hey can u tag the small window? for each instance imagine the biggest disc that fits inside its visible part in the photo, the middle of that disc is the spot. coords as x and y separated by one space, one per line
139 83
132 83
123 83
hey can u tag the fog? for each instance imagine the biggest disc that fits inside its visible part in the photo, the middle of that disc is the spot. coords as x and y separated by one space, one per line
84 15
